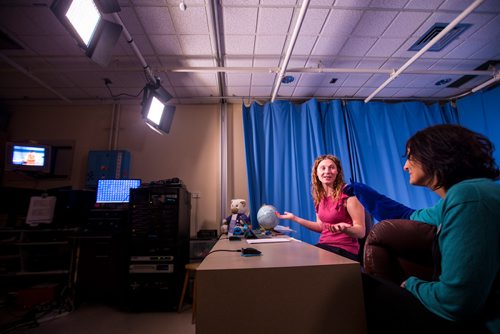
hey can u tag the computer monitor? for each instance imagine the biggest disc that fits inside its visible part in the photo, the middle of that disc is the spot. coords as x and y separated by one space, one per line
27 157
116 190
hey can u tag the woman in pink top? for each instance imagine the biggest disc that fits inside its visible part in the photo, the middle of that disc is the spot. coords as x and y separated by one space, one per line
340 219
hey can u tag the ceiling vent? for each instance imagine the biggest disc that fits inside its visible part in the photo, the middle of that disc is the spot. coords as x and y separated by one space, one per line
466 78
443 42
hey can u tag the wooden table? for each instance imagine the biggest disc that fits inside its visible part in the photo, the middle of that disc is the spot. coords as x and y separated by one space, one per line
293 287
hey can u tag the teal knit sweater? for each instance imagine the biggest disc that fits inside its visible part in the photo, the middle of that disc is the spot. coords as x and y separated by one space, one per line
468 221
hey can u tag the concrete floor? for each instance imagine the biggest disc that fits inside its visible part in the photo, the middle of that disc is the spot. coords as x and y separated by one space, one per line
101 319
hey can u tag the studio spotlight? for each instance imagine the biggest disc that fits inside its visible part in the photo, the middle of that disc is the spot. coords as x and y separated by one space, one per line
157 114
83 19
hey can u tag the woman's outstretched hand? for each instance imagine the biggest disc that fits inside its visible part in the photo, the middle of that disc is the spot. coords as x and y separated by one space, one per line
285 215
337 228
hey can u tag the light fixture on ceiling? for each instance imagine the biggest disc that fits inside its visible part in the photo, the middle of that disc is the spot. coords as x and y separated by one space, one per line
83 19
495 78
182 6
442 82
157 114
287 79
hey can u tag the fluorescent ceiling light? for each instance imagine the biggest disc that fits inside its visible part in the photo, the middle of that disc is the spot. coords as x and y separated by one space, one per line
84 16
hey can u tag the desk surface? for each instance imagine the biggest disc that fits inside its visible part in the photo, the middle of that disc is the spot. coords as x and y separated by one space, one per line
274 255
293 287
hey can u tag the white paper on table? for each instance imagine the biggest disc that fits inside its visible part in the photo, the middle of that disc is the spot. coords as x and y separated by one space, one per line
268 240
281 228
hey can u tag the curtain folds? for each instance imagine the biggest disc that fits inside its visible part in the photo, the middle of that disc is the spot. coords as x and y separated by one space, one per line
479 112
283 139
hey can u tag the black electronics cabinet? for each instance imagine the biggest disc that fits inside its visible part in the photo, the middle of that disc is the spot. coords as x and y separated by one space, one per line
102 249
159 246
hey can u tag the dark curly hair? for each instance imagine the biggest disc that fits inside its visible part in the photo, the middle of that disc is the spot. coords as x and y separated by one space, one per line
452 154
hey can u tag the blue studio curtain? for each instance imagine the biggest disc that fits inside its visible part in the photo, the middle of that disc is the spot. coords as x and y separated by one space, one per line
282 140
480 112
379 132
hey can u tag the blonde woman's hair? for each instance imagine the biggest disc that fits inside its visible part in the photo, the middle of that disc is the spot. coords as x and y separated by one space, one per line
317 190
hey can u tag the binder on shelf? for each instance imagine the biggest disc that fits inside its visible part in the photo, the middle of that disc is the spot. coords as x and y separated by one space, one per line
41 210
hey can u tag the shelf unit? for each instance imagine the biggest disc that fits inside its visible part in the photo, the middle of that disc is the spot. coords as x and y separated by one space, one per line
34 256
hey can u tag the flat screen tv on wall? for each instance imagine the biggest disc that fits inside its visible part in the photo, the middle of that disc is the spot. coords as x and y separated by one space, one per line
27 157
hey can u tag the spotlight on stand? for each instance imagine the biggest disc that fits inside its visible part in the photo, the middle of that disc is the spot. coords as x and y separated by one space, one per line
157 114
83 19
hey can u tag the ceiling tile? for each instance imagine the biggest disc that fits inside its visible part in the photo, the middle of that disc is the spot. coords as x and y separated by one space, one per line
343 34
388 3
260 91
350 3
357 46
204 79
195 44
328 46
405 24
384 47
341 22
192 21
238 91
346 92
133 25
304 45
239 45
466 49
156 20
487 5
166 44
240 21
274 21
312 79
324 91
314 20
269 45
374 23
263 79
423 4
53 45
489 51
238 79
356 80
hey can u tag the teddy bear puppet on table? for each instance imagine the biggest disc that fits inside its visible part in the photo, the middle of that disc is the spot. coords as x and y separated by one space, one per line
238 222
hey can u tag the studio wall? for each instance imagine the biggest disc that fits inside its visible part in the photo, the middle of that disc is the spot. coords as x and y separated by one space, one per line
191 151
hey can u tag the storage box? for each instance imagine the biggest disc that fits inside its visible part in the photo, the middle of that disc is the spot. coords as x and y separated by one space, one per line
199 248
36 295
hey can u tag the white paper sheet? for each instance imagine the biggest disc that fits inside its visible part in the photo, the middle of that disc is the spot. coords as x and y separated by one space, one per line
268 240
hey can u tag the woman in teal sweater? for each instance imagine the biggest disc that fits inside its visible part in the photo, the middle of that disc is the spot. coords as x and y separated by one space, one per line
458 165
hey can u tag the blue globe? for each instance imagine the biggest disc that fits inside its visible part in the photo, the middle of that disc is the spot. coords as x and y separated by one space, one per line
266 217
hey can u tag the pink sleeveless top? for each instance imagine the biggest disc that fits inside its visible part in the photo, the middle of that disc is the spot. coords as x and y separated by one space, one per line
332 212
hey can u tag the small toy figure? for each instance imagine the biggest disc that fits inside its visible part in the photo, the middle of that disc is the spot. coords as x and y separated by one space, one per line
238 222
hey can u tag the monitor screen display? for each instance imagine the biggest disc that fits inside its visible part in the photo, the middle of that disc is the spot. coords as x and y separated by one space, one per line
115 191
28 155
